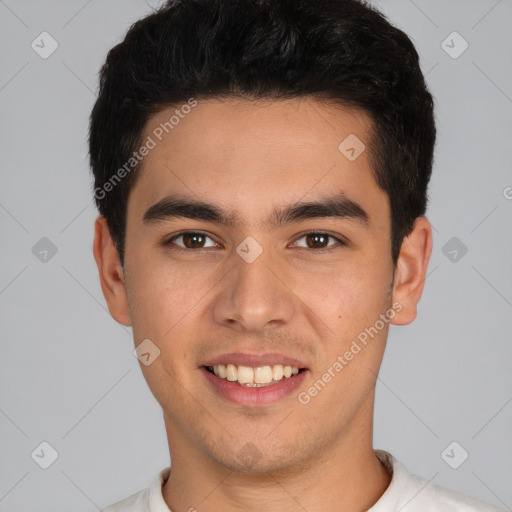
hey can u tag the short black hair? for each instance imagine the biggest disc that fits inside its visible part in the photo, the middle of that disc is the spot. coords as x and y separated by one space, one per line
343 51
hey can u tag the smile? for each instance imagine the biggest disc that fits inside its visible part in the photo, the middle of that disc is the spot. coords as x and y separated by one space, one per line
253 377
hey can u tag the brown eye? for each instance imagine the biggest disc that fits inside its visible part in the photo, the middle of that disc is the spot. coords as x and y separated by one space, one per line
319 240
193 240
190 240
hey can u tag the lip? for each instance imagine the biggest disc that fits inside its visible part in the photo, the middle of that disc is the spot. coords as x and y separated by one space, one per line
253 397
254 360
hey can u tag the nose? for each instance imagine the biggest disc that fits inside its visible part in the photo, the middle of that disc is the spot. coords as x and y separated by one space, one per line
255 295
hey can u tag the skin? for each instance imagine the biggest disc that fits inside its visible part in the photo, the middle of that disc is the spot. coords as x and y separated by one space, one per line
250 158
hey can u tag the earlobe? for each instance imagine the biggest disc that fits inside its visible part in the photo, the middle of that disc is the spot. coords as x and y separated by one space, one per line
110 272
411 270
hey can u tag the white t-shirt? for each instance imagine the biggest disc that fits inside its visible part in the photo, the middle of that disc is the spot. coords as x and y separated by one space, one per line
406 492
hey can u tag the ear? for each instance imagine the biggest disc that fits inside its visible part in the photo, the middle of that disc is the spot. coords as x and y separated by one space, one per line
411 270
111 272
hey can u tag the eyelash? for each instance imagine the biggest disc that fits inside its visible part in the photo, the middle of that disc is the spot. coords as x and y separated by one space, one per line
169 242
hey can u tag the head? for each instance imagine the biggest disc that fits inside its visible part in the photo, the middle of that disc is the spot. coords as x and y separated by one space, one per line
248 108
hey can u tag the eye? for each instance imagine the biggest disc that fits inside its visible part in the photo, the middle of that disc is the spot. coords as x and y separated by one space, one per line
191 240
318 240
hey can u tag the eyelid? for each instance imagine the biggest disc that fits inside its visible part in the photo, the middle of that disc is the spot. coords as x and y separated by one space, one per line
170 240
338 238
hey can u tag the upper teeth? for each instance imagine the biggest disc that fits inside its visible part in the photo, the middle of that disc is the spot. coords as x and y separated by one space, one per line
247 376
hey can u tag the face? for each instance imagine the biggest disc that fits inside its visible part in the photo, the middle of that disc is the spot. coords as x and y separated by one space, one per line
259 278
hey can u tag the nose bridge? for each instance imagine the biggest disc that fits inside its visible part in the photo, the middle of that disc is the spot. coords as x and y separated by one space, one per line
254 294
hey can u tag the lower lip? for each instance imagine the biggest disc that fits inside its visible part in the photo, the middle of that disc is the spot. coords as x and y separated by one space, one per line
254 396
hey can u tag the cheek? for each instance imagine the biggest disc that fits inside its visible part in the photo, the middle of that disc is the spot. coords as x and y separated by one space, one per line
347 300
159 296
160 307
350 287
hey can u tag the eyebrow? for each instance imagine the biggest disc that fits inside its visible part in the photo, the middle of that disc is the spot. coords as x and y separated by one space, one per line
177 206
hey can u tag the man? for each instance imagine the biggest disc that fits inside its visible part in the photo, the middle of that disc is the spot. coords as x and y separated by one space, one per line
261 171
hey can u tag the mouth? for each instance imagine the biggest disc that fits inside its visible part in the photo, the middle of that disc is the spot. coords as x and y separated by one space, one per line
253 381
261 376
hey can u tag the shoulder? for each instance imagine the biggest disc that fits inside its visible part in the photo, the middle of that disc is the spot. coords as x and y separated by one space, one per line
412 493
438 498
135 503
147 500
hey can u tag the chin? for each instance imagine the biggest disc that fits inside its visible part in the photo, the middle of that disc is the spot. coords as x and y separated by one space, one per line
260 458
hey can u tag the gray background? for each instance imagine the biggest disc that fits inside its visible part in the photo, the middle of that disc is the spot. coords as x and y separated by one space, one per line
68 374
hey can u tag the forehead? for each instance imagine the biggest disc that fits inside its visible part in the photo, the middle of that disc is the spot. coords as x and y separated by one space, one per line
250 155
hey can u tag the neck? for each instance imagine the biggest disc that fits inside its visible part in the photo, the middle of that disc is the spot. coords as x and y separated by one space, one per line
344 476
